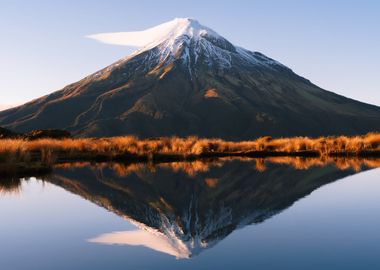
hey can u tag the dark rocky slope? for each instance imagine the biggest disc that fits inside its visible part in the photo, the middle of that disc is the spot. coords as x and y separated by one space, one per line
195 82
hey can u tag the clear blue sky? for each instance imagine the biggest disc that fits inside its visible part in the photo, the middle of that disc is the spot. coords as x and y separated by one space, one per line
335 44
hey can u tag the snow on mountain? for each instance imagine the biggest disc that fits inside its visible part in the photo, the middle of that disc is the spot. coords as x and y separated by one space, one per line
154 36
163 89
188 40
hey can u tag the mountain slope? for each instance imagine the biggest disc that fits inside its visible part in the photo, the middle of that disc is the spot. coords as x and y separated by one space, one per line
190 80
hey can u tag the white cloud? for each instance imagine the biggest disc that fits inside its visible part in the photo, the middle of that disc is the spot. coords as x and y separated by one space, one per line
136 38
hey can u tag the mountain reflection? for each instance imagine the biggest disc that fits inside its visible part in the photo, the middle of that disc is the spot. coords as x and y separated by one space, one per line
183 208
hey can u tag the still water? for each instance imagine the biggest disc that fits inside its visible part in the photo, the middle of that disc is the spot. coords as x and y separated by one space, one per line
234 214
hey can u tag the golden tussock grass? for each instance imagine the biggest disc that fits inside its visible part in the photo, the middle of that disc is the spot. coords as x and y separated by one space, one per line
48 151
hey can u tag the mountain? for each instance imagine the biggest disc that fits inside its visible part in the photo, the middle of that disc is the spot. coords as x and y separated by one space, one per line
182 208
7 134
189 80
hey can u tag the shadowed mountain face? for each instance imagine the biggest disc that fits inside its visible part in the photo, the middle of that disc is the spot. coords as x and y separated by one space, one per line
183 210
195 82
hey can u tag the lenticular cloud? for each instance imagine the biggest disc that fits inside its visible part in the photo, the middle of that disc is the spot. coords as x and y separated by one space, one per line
137 38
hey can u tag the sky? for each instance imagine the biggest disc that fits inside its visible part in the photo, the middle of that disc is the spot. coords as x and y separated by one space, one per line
335 44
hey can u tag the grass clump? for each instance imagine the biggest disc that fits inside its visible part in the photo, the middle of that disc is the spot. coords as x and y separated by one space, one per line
50 151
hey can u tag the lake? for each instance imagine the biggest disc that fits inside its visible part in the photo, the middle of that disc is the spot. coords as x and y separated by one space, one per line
219 214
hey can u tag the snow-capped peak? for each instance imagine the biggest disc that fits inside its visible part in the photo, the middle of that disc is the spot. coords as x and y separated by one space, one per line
153 36
183 39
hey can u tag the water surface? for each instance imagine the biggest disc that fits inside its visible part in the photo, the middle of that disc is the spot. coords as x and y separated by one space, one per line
235 214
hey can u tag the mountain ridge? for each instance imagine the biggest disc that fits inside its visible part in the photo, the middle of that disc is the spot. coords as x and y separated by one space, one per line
192 81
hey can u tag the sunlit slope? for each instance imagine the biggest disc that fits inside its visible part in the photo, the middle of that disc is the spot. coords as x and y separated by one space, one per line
195 82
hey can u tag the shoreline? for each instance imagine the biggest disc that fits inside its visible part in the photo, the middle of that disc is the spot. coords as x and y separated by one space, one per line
18 155
34 168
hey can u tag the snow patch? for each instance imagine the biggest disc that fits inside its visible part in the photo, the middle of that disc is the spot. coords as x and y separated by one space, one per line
184 39
154 36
